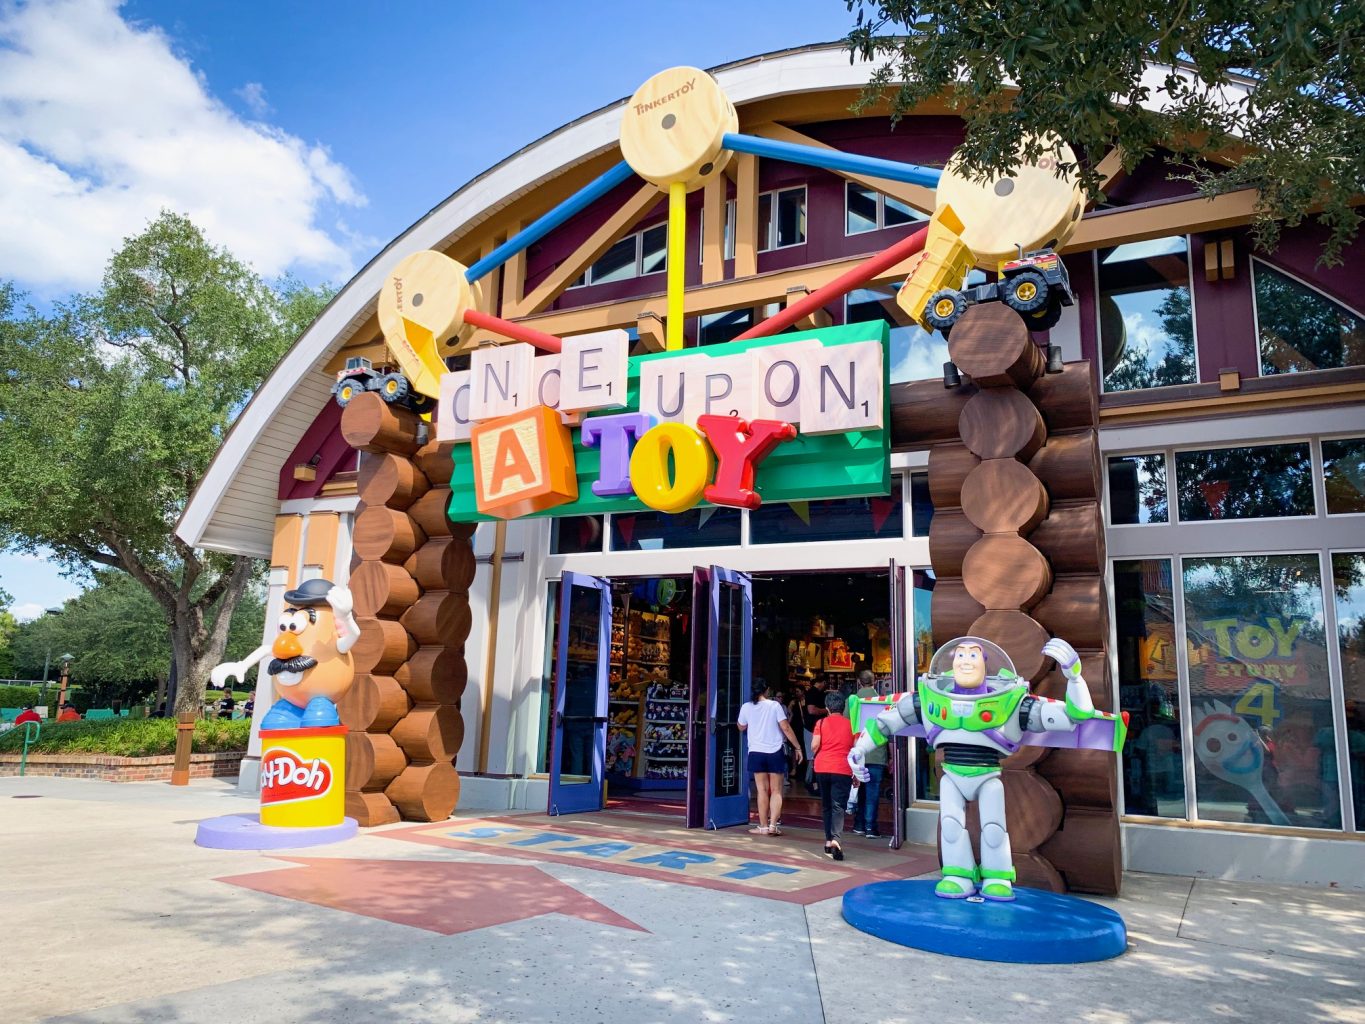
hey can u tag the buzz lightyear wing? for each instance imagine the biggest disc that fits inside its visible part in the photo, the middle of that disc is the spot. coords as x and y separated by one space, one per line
862 711
1105 731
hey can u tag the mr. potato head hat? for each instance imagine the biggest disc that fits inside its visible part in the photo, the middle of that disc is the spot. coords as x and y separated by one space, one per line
310 592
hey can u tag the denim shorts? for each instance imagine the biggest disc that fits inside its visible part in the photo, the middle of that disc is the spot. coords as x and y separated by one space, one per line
774 763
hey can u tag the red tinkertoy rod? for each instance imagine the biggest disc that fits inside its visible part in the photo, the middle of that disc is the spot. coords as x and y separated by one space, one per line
839 287
517 332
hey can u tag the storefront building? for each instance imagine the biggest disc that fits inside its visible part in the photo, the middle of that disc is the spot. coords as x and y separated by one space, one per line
1229 391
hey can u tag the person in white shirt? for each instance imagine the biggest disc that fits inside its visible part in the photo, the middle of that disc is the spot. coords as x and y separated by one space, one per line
765 721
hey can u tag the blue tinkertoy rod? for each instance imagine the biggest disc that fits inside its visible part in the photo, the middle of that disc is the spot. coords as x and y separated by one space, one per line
538 229
833 160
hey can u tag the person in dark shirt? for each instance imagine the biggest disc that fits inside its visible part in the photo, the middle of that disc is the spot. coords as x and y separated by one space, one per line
227 705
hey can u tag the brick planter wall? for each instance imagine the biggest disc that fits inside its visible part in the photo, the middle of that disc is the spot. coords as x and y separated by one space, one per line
121 769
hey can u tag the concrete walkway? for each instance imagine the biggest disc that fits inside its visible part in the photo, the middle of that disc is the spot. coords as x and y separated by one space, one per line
113 915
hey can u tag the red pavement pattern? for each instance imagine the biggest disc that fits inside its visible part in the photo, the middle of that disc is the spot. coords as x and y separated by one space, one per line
445 897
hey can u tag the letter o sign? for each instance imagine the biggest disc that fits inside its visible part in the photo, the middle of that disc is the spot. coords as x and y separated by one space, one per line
692 467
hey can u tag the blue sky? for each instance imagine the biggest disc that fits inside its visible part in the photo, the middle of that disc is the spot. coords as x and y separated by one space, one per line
304 135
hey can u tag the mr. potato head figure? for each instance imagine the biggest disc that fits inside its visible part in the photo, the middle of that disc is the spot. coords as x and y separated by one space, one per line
310 659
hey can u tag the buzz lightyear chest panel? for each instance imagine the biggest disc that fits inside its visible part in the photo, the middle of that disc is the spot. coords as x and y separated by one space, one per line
966 726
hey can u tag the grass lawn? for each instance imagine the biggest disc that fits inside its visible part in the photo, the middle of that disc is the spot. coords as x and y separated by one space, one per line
126 737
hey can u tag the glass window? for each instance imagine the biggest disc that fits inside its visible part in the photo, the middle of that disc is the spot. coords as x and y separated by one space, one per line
572 535
1343 470
729 232
866 209
860 209
616 264
1153 772
654 250
1265 482
1302 329
781 218
1137 489
838 519
1348 579
916 354
718 328
1146 325
921 505
706 526
1262 707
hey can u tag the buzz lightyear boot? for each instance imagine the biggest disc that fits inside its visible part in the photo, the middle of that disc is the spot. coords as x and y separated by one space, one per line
956 883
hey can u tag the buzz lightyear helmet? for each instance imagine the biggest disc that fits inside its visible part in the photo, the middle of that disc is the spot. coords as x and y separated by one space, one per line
997 661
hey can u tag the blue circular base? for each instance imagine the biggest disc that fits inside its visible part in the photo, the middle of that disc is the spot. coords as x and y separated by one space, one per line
245 832
1037 928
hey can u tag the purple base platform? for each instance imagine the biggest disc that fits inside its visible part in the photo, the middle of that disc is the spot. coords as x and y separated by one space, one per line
245 832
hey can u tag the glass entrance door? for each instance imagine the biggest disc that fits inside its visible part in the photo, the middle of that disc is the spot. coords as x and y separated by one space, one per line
699 697
728 677
900 746
579 739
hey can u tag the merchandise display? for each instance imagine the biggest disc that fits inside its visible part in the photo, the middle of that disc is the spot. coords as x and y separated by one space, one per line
647 707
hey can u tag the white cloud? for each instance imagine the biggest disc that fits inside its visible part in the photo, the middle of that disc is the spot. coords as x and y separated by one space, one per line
102 126
27 612
253 95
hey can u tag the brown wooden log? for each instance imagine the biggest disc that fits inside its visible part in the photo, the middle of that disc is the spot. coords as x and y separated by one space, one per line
436 674
1086 851
1003 571
1069 400
1084 778
373 760
370 809
429 511
385 533
439 617
1020 636
949 466
383 645
426 792
373 703
951 534
430 732
1003 496
390 480
444 563
952 610
923 412
1034 872
1069 466
1072 538
1075 610
1025 757
433 459
382 588
1001 423
992 346
372 425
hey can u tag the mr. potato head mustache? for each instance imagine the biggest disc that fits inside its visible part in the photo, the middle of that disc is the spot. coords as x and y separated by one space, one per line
299 663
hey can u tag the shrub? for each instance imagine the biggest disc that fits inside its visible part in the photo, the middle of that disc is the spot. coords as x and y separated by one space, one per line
18 696
124 737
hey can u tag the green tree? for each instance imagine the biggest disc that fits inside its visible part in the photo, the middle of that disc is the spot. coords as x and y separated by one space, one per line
119 637
1084 71
111 408
8 627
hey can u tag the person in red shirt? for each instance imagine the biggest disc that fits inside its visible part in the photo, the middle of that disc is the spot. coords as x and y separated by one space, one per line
27 715
830 744
69 714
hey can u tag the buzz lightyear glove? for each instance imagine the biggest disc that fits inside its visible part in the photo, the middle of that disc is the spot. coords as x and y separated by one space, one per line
1079 706
856 761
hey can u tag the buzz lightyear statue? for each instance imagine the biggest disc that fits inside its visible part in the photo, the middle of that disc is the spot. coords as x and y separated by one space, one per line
973 708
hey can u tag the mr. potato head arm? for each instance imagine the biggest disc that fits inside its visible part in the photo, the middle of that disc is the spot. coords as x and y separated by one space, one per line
348 630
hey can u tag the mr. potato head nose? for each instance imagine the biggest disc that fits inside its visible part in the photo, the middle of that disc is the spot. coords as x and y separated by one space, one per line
286 646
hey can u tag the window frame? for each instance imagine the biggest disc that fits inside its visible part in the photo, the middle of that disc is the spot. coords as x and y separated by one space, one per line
1194 319
1167 468
770 229
1317 488
1320 474
881 224
1256 315
584 280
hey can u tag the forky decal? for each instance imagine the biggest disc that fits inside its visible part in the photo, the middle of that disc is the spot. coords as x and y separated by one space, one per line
1230 749
310 658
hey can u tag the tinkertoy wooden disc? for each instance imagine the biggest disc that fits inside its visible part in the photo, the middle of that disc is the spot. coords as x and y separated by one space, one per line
421 304
672 127
1032 207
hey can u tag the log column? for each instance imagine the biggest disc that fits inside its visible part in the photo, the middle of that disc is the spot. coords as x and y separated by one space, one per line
410 577
1017 546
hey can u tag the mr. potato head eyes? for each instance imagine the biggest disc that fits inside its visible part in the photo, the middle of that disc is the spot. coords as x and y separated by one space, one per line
296 620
